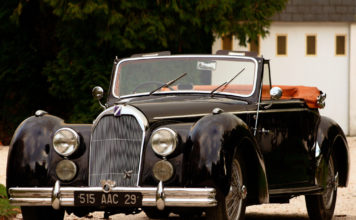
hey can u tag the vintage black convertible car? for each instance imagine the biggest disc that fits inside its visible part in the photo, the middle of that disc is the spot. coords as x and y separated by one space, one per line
187 134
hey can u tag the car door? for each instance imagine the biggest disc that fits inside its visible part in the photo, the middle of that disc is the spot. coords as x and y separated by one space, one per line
286 135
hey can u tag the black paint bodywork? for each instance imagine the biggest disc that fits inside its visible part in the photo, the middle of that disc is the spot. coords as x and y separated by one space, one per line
280 163
32 159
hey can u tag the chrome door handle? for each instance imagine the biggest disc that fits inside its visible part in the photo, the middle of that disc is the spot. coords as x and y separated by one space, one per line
264 131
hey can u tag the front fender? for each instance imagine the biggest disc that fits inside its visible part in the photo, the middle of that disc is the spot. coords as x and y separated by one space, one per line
32 159
215 139
332 141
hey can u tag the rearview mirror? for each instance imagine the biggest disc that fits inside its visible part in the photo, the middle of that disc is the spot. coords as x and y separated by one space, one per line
276 93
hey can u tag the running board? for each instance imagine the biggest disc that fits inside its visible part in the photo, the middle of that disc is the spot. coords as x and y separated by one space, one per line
296 191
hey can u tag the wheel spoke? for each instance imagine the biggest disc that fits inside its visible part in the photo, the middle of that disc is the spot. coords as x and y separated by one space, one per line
233 200
330 185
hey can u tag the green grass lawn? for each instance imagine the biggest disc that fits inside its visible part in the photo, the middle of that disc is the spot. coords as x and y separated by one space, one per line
6 210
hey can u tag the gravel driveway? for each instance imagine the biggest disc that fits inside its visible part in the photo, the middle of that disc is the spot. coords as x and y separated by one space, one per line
345 205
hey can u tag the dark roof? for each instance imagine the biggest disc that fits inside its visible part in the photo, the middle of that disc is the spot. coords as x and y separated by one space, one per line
318 10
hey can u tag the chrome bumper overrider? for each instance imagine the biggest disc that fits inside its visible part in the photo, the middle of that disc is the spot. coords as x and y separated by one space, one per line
152 196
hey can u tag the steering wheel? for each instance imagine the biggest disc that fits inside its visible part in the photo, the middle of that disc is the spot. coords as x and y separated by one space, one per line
145 84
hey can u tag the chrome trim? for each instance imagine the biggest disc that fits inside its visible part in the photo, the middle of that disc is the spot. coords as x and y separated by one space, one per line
180 116
107 185
187 56
235 113
276 93
175 138
336 181
321 100
174 197
217 111
285 110
317 149
243 192
160 197
40 113
126 110
283 101
56 195
98 94
258 110
76 137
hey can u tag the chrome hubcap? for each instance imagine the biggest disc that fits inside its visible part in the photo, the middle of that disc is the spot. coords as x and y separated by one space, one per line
237 193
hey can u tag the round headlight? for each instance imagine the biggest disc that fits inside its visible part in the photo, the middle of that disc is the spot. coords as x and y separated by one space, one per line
164 141
66 170
163 170
65 141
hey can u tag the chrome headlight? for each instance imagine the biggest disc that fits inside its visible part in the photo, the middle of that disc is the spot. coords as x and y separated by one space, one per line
164 141
65 141
66 170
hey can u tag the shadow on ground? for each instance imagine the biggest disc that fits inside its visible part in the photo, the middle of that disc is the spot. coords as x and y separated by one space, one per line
260 216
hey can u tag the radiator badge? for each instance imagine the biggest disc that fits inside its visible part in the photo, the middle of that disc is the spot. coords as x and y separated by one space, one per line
117 110
127 174
107 185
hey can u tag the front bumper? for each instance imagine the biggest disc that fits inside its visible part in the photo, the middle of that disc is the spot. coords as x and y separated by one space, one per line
152 196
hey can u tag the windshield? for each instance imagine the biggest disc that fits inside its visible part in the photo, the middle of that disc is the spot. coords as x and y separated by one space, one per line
204 74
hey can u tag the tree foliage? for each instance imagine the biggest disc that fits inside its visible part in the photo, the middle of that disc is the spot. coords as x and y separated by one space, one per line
52 52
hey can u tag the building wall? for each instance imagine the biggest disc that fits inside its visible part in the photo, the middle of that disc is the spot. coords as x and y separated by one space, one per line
352 80
325 70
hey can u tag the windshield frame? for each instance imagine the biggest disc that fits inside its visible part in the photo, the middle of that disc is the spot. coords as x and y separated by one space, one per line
237 57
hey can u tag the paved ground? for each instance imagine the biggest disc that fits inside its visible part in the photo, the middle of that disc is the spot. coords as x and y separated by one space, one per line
345 206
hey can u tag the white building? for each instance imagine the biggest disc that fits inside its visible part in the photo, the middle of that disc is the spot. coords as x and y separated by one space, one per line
313 43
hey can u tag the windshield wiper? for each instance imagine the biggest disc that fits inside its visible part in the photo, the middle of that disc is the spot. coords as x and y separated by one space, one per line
168 83
226 83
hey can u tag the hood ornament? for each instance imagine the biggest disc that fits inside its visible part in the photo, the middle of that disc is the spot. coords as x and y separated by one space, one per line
127 174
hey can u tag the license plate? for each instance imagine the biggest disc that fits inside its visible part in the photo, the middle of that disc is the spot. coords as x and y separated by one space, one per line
102 199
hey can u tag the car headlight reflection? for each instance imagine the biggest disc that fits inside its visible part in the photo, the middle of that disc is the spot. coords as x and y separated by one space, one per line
66 170
65 141
164 141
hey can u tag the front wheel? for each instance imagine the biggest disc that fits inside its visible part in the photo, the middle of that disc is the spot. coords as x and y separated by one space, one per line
321 207
39 213
233 205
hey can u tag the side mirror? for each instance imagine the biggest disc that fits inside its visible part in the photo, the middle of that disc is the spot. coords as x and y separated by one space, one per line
98 94
276 93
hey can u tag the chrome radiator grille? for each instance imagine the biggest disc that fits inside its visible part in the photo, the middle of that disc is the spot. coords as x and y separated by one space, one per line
115 151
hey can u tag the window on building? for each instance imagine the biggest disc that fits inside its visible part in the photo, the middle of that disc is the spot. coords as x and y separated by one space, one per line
311 45
282 45
340 45
255 46
227 42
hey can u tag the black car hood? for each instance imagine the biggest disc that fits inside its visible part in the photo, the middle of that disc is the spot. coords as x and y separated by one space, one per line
183 106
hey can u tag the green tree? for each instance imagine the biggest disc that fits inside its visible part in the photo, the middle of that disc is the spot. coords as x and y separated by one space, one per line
52 52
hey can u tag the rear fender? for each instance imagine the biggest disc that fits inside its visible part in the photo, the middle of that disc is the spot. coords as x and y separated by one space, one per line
332 141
